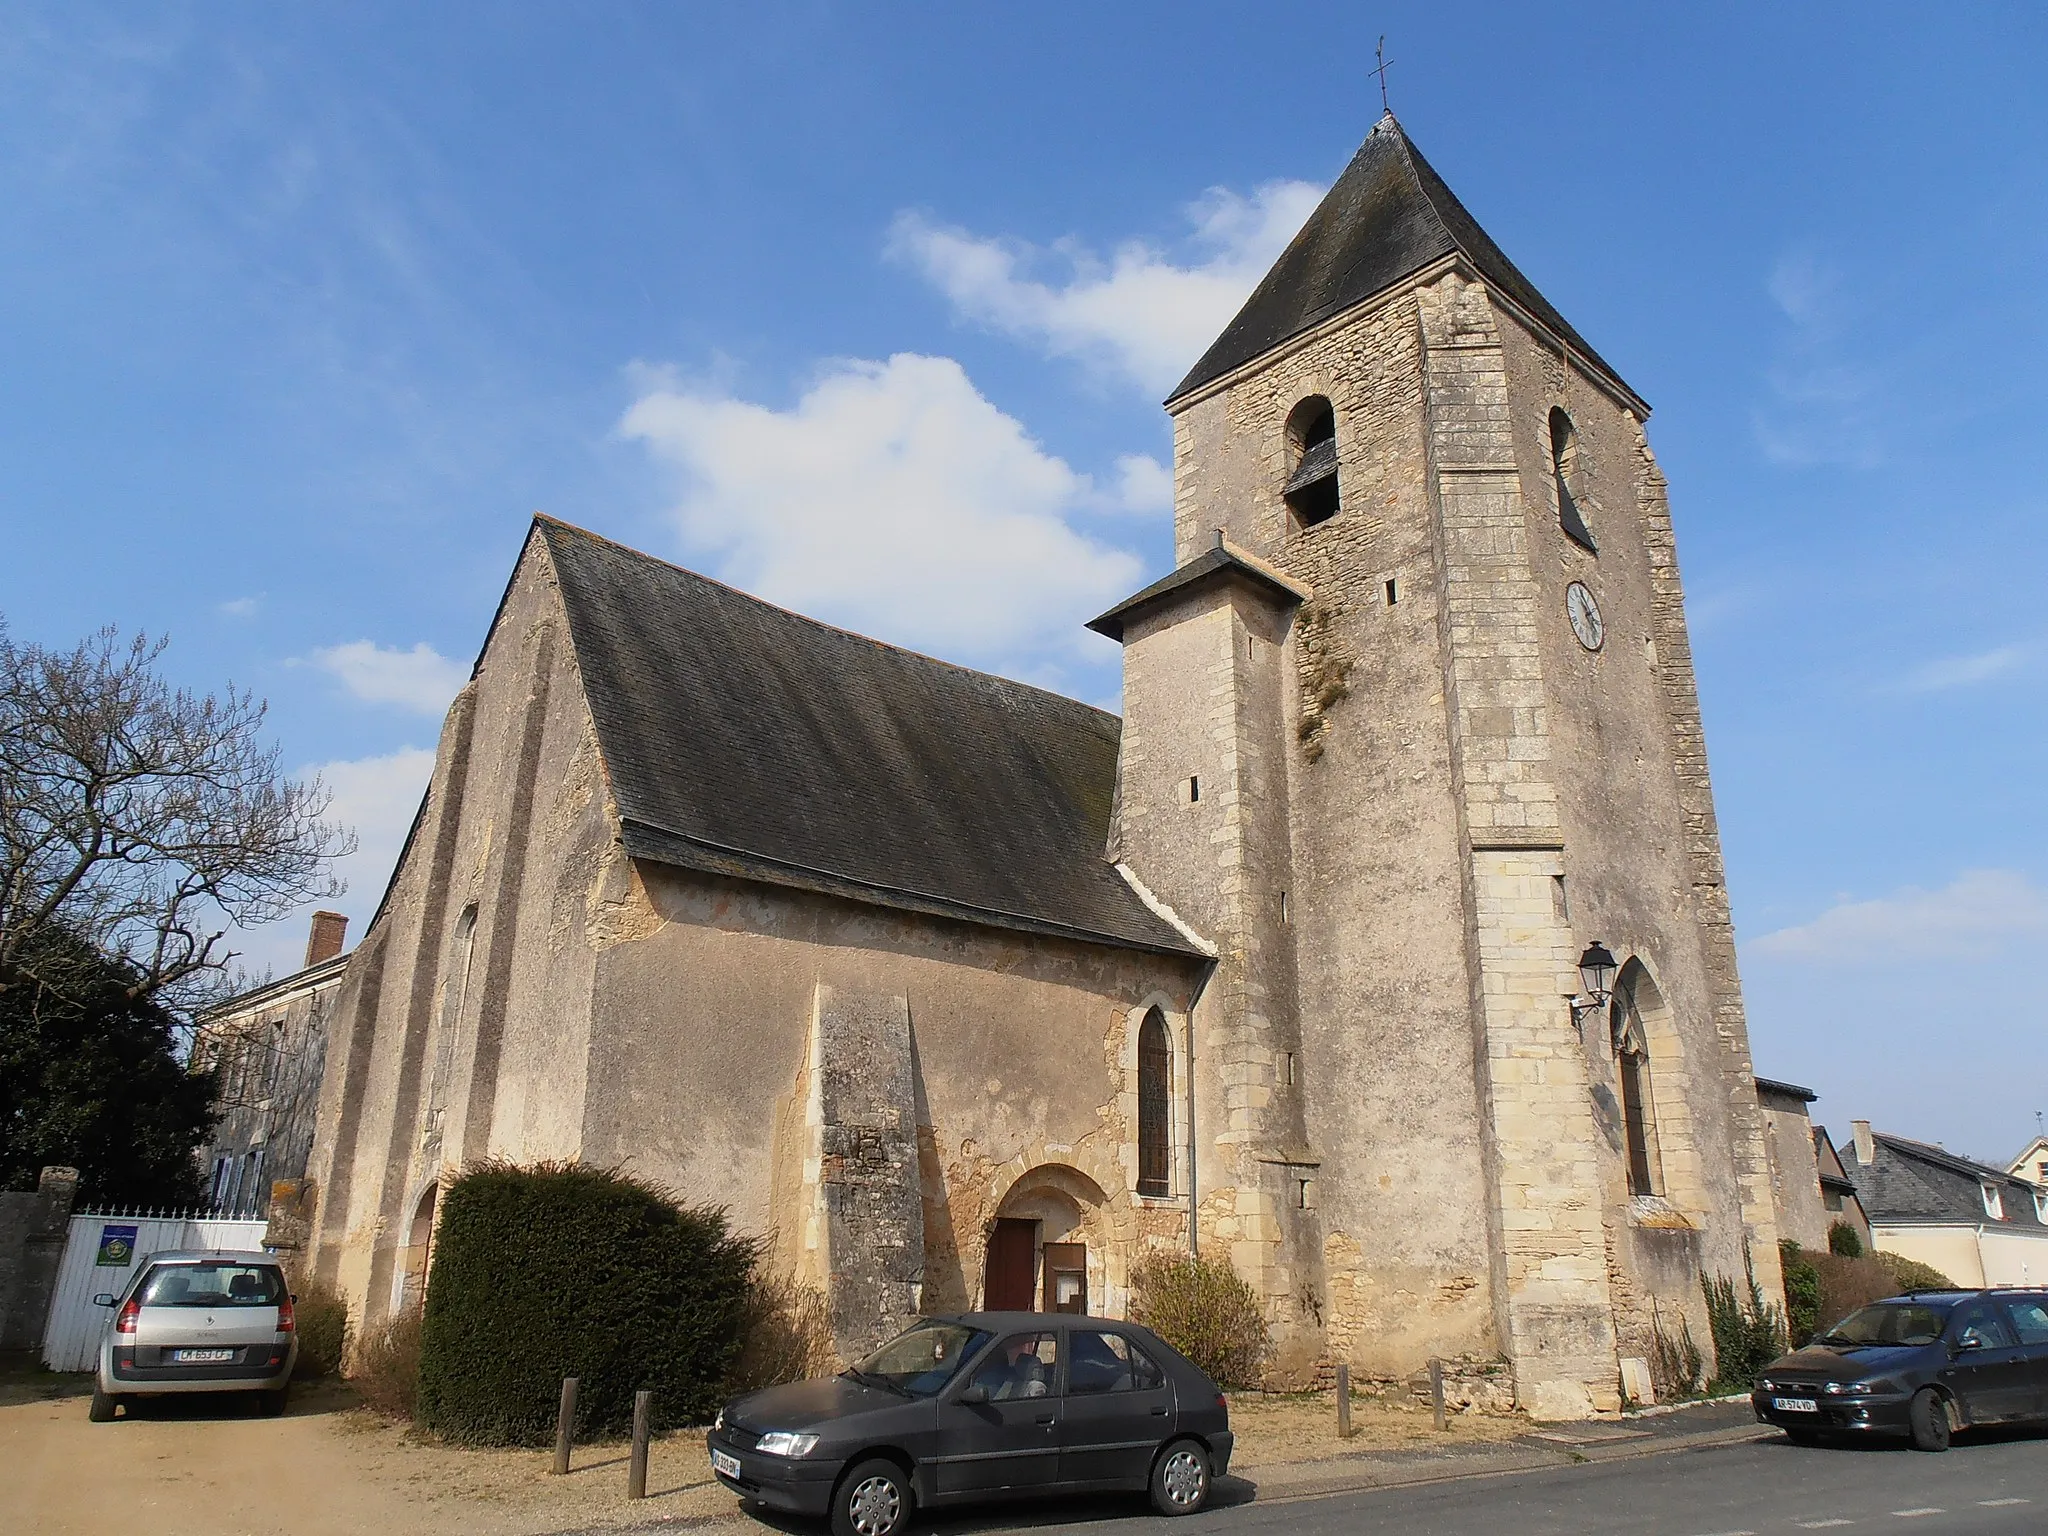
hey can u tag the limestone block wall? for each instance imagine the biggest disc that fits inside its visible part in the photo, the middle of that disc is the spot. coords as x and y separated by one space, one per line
1795 1170
1386 1075
1642 867
462 1028
704 1075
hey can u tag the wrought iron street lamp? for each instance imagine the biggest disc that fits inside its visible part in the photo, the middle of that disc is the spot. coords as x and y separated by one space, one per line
1596 975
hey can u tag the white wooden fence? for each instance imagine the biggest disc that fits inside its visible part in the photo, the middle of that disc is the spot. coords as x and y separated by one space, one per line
101 1253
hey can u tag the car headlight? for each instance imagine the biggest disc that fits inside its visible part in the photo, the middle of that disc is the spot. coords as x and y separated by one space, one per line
1765 1384
1837 1388
1877 1384
783 1442
719 1422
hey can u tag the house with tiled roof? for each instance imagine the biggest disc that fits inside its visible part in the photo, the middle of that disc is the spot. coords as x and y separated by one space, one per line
1977 1224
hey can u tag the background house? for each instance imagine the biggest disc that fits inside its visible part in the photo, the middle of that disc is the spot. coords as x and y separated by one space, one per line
1977 1224
269 1046
1808 1184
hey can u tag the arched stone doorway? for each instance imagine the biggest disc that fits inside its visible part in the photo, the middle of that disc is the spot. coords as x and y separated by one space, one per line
409 1275
1053 1246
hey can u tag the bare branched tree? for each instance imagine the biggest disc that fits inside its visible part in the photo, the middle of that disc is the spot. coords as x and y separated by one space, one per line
145 821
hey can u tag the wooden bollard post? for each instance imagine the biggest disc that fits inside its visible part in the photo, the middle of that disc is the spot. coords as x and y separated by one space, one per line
565 1426
1343 1402
1436 1391
636 1469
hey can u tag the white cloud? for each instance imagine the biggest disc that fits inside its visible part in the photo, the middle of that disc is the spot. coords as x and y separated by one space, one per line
420 679
1963 671
239 607
1974 916
1824 407
1137 312
895 499
1143 484
376 798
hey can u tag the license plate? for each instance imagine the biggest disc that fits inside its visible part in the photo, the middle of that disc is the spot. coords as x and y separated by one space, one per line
202 1356
1795 1405
722 1463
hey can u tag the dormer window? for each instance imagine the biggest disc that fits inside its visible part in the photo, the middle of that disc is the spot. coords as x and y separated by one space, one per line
2041 1206
1564 464
1311 490
1994 1202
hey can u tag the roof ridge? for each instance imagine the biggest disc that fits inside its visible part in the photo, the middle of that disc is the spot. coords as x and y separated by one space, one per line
816 623
1929 1152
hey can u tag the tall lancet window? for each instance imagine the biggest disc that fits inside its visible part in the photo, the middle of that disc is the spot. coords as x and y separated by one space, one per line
1632 1067
1564 463
1155 1108
1311 490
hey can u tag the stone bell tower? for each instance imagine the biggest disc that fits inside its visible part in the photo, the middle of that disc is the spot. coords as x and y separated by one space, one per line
1412 723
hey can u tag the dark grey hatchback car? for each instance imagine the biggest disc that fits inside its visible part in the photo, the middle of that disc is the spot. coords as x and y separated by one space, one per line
979 1406
1922 1365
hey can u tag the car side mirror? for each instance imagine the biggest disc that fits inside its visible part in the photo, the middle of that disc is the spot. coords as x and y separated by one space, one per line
104 1299
974 1396
1967 1342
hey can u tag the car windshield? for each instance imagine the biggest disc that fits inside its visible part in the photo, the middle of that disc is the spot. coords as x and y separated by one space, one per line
1898 1323
921 1361
213 1285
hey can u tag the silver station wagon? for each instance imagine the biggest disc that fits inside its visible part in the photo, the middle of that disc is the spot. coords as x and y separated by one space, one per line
211 1321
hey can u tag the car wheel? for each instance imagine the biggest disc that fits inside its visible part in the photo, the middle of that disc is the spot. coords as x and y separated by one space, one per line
873 1500
1929 1418
103 1406
1180 1479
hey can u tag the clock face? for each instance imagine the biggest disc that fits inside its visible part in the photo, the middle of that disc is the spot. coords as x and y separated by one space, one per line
1585 616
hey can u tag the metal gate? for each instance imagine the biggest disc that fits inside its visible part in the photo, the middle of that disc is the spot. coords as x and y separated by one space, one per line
101 1253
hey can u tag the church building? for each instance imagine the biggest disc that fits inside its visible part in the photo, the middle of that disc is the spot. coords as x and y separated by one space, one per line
964 994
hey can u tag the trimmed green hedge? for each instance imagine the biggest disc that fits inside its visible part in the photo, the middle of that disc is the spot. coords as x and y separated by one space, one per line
560 1269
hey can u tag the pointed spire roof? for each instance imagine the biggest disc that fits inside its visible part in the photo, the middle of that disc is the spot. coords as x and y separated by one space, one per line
1389 215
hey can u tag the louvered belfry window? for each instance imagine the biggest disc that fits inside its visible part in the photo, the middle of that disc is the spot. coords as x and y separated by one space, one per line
1311 489
1564 458
1155 1075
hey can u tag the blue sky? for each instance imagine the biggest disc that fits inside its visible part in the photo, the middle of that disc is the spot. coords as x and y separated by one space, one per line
869 309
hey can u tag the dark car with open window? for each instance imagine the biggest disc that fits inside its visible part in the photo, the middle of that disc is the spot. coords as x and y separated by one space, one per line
986 1405
1923 1365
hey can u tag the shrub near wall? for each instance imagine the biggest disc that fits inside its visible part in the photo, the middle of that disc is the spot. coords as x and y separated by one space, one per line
565 1270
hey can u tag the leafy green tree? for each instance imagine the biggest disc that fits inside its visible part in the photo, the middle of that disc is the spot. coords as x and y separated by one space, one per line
91 1078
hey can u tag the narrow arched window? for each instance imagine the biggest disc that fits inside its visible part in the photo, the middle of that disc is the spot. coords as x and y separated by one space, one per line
1311 490
1155 1075
1564 464
1632 1068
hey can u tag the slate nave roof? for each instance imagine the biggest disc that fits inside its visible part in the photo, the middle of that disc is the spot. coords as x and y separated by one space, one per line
745 740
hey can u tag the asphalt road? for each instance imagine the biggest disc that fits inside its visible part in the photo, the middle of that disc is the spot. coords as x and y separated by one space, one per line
1766 1488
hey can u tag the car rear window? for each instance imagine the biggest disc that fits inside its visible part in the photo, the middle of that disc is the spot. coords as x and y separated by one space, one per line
213 1285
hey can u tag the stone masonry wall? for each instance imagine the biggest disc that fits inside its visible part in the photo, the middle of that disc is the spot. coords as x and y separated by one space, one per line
1385 1079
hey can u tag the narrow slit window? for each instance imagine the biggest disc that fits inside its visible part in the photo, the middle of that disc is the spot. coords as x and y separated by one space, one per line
1564 464
1194 788
1393 592
1311 490
1155 1074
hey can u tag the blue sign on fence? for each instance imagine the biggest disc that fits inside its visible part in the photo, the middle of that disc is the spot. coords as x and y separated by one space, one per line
117 1247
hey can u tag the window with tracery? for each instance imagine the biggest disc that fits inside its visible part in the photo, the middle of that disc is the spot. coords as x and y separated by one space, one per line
1155 1108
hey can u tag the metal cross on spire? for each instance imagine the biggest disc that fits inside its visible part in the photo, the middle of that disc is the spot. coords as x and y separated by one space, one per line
1381 52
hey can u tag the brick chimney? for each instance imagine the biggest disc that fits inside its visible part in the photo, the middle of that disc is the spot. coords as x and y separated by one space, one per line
330 929
1866 1144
